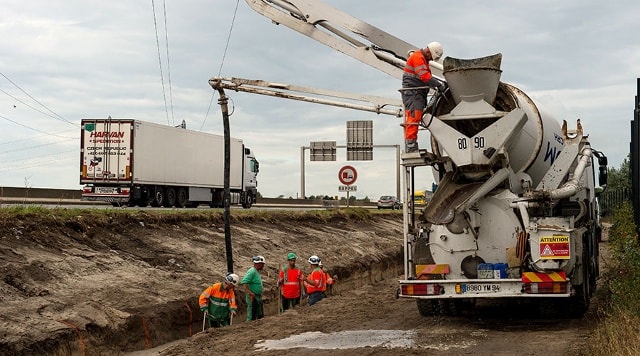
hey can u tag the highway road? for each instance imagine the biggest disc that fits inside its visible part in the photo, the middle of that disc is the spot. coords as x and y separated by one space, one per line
71 198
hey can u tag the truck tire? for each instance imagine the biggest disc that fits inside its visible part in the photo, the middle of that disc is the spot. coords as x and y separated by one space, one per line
157 199
428 307
182 199
170 197
248 201
578 304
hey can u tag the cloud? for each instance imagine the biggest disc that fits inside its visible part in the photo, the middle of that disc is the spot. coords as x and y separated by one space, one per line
80 60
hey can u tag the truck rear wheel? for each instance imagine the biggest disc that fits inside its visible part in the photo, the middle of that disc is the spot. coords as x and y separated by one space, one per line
158 197
170 197
428 307
578 304
182 199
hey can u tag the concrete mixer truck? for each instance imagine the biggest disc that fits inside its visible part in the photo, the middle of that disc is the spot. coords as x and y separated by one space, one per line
515 213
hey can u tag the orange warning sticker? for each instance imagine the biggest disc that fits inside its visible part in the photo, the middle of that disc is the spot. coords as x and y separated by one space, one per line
555 247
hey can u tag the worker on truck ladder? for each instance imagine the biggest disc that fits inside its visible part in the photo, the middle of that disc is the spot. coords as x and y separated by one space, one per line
417 74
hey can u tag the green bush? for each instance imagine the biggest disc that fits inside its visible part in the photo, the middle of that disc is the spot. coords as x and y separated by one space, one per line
619 315
624 274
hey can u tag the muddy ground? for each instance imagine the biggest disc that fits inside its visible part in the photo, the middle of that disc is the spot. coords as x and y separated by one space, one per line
119 281
116 283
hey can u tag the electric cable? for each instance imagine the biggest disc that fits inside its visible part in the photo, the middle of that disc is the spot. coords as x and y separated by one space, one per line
224 55
164 92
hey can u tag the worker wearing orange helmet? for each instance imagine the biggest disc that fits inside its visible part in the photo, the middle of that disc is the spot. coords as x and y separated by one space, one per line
417 74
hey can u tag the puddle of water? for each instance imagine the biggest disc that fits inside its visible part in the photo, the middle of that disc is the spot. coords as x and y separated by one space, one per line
349 339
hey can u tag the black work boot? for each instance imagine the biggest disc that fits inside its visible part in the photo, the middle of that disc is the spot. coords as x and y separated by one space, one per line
410 146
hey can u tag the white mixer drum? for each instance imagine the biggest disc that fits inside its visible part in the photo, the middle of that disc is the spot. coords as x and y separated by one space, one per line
539 142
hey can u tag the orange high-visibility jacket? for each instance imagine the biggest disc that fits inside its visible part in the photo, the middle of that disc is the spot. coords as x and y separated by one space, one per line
220 297
418 67
291 279
316 277
327 280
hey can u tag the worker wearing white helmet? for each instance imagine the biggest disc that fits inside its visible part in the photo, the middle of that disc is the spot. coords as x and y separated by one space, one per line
218 301
416 81
252 282
315 281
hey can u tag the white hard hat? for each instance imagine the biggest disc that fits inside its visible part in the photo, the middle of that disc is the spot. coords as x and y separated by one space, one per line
258 259
232 278
314 260
436 50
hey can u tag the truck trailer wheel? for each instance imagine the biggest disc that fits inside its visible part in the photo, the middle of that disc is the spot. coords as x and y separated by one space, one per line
182 199
170 197
158 197
248 201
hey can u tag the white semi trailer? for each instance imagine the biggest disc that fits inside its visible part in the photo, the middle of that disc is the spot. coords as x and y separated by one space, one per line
132 162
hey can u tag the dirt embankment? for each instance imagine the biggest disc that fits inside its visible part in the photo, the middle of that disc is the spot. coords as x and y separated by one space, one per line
96 282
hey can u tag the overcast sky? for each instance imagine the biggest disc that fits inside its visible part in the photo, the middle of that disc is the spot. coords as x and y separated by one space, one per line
61 61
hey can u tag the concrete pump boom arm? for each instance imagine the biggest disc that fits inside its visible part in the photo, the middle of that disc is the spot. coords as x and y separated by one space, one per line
371 103
342 32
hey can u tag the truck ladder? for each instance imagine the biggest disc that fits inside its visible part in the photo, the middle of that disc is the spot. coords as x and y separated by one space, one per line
411 229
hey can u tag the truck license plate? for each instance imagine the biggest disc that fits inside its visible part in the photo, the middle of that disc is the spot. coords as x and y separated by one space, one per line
480 288
106 190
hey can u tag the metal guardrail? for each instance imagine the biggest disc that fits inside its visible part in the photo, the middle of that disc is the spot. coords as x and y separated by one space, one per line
14 192
15 195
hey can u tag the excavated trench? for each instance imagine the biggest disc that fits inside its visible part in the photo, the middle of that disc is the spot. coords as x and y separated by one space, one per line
161 324
91 283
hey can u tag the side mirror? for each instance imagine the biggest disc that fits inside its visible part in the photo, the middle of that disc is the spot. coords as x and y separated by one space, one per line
602 169
603 176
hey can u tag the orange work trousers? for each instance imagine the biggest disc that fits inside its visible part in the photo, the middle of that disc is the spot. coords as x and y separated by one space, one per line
412 124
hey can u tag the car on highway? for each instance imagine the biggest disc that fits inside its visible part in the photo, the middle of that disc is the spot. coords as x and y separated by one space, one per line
389 202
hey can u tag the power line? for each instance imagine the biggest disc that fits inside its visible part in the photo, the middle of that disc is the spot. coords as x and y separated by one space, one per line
34 99
35 137
5 168
164 92
224 55
38 146
30 128
166 39
233 20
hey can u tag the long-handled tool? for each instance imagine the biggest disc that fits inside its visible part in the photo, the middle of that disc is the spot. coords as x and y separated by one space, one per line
279 296
204 319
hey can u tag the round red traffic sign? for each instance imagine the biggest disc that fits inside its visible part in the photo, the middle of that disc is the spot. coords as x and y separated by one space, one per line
347 175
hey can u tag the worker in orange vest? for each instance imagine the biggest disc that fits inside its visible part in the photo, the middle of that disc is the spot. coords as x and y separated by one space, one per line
328 280
290 283
416 81
315 281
